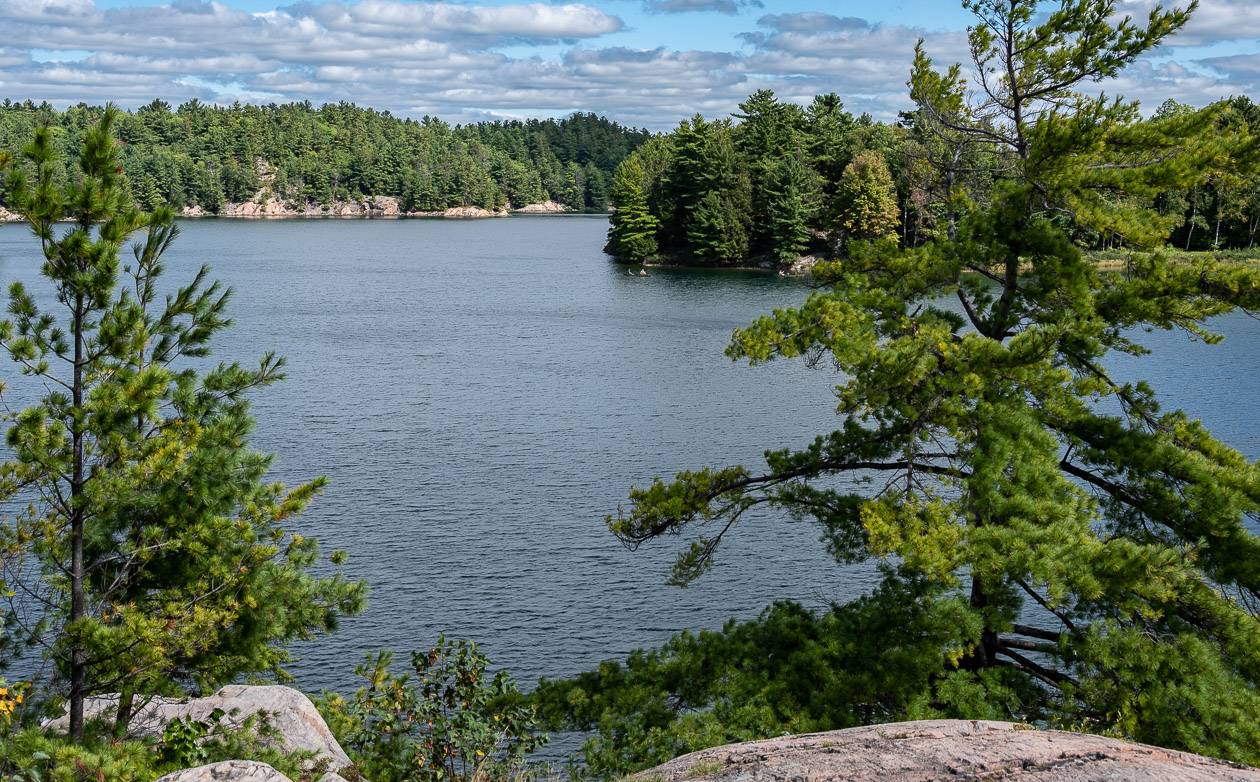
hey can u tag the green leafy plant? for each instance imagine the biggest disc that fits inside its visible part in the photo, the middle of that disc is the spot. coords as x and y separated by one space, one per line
183 740
449 719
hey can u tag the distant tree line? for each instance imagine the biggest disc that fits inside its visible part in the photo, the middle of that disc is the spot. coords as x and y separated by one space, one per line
203 155
778 180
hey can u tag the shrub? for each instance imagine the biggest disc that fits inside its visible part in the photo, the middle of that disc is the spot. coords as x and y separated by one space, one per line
447 720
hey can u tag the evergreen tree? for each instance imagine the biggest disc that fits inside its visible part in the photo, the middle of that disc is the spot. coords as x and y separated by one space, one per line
867 199
768 131
715 231
573 192
828 132
790 204
150 557
597 193
632 231
688 178
709 192
1056 547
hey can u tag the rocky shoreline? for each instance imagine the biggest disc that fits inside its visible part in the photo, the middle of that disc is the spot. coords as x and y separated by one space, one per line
375 207
372 207
801 267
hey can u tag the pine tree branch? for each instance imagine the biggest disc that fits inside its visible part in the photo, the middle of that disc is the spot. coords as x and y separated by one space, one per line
1047 675
1036 632
1041 601
1029 646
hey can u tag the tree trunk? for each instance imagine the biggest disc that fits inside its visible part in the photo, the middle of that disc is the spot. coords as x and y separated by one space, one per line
1194 212
78 656
985 656
122 718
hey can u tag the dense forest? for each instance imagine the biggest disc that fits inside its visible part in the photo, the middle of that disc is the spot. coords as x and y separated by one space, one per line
778 180
199 155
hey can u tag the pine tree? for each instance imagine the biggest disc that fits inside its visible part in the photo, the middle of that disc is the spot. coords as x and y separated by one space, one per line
790 204
632 227
715 231
828 136
1056 547
688 177
768 131
867 199
151 556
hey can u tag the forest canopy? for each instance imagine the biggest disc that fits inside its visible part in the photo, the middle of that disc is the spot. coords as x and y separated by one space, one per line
778 180
198 155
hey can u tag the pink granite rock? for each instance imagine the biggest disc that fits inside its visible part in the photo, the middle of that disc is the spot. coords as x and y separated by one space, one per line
941 750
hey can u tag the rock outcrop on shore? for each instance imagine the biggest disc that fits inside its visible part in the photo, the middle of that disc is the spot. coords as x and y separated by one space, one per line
544 208
374 207
941 751
266 205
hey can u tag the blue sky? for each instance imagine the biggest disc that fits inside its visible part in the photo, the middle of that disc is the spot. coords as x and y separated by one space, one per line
645 62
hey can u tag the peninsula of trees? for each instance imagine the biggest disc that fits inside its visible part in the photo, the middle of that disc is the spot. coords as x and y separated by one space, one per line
779 180
202 157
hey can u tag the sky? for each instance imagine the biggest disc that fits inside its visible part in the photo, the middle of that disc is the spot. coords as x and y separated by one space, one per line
646 63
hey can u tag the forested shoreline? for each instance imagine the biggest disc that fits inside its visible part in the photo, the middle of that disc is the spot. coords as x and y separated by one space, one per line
199 158
778 180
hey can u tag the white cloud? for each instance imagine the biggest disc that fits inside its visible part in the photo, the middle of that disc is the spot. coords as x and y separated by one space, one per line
728 7
1151 83
533 21
866 63
1240 70
1212 22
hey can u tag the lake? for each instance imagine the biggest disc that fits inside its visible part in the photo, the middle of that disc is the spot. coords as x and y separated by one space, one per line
481 393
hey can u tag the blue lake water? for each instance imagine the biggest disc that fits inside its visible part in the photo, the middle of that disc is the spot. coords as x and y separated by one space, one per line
481 393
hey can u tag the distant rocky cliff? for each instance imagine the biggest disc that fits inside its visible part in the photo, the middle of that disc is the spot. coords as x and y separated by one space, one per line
269 206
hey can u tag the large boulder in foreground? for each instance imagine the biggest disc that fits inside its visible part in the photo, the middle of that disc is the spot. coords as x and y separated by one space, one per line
298 724
941 750
227 771
236 771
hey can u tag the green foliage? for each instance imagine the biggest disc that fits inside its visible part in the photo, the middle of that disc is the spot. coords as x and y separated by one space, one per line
1058 547
868 200
859 179
183 740
33 755
452 721
726 193
715 229
200 155
789 671
150 555
632 228
790 204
